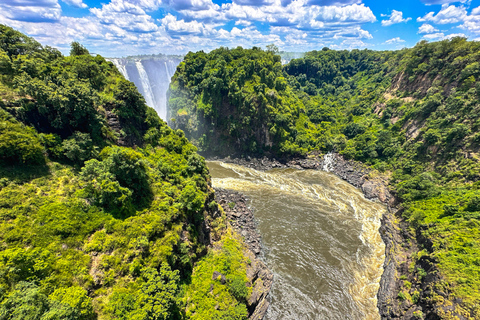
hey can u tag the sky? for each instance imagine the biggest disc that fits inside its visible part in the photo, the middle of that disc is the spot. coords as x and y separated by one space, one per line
118 28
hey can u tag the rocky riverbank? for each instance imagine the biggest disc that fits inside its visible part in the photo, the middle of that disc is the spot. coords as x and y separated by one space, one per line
242 220
400 244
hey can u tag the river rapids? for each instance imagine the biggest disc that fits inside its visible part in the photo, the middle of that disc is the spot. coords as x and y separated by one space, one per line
320 238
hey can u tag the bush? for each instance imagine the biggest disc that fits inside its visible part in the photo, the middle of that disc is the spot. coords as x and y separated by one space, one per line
473 204
19 144
451 209
78 148
238 288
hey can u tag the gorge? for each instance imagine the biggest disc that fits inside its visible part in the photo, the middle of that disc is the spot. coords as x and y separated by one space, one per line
109 213
330 271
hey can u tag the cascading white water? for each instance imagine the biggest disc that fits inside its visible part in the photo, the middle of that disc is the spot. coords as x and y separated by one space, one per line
147 89
121 67
328 162
152 76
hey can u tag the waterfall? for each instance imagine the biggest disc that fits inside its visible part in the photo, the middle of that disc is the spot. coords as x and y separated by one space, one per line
147 89
328 162
120 64
151 75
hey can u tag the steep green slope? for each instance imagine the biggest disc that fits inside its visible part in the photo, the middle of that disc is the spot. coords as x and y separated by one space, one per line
410 114
104 210
230 101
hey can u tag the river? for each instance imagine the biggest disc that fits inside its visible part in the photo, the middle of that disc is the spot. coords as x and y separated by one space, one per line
320 238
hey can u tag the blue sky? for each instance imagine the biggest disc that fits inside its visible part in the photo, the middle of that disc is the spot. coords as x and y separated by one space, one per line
116 28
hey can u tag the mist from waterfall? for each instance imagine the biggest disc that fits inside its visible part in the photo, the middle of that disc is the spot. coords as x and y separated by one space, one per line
151 75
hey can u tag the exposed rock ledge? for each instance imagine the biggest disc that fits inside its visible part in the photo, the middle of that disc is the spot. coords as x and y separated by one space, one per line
260 277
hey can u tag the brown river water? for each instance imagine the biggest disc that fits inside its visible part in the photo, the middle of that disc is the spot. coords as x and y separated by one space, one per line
320 238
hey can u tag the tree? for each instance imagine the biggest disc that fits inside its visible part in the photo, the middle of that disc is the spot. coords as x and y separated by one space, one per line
78 49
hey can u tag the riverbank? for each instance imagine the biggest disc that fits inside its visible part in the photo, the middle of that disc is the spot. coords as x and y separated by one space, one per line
400 244
242 220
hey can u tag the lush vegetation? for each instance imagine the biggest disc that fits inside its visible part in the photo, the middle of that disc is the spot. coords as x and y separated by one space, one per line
105 212
412 115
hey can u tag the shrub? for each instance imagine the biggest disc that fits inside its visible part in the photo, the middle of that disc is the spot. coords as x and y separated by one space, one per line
238 288
20 144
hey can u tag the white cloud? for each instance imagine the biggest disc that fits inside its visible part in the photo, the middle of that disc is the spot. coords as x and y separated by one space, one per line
395 17
76 3
475 11
351 44
448 14
394 41
31 10
442 36
125 15
427 28
256 3
171 23
355 32
243 23
472 22
194 5
118 27
434 36
453 35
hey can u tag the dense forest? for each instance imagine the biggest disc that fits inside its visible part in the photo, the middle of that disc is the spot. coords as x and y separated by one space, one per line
105 212
411 115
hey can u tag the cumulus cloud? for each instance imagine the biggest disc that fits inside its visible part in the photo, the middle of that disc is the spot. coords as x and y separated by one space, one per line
472 22
125 15
256 3
394 41
171 23
355 32
31 10
350 44
194 5
442 36
434 36
243 23
76 3
395 17
128 25
448 14
427 28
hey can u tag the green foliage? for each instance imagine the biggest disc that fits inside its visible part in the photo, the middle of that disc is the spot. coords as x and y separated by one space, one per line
78 49
238 288
87 234
26 302
18 264
20 145
236 92
153 298
411 114
78 148
208 298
